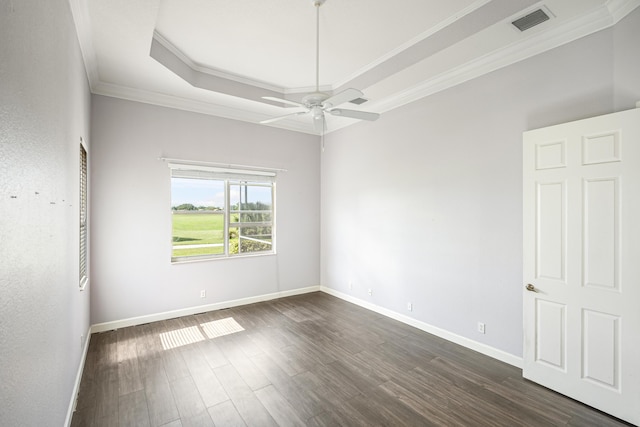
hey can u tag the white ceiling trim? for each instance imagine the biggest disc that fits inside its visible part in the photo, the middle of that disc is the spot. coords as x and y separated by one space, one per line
82 22
230 76
206 81
621 8
172 58
572 30
601 18
444 24
212 71
171 101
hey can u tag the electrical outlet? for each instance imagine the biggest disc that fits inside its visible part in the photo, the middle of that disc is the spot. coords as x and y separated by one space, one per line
481 327
350 285
203 293
409 306
369 291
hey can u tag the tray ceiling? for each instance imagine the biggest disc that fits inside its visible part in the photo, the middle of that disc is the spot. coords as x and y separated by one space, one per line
220 56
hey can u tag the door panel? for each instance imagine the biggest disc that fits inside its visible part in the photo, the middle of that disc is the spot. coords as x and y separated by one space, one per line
550 342
550 232
601 233
581 187
601 348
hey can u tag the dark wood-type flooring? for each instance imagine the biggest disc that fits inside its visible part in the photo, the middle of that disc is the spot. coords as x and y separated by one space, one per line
308 360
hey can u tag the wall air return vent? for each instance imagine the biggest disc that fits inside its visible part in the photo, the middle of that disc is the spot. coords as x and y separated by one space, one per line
532 19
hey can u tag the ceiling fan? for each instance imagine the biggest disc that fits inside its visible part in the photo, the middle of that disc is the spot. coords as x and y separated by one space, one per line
318 103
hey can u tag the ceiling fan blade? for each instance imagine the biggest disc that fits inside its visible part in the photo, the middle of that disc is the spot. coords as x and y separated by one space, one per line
342 97
354 114
275 119
283 101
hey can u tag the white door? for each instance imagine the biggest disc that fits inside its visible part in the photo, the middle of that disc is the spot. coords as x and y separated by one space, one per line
582 261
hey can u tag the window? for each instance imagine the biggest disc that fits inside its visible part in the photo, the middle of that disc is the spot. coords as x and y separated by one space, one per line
83 216
218 212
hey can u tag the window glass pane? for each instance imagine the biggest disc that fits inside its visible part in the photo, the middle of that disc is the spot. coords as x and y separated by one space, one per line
248 196
255 239
197 216
250 239
255 216
233 241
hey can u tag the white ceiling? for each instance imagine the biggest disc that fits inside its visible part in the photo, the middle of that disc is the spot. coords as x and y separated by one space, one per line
220 57
279 35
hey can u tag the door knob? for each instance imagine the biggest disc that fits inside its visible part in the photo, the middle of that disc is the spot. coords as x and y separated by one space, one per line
531 288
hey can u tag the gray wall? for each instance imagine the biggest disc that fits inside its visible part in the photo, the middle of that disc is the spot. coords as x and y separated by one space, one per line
44 110
425 205
131 218
626 36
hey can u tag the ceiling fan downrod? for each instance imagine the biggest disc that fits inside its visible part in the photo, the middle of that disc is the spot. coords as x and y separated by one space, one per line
317 4
318 103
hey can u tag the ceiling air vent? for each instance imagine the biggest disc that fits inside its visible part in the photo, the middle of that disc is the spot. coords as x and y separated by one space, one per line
531 20
358 101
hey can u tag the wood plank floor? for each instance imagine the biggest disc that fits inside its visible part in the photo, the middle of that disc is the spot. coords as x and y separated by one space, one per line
309 360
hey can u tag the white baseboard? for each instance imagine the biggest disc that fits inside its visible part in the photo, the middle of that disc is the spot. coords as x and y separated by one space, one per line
133 321
76 385
449 336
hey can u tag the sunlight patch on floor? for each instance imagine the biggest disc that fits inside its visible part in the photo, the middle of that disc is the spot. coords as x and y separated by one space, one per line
180 337
193 334
219 328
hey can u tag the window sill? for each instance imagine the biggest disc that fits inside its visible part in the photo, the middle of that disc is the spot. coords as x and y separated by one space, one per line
178 261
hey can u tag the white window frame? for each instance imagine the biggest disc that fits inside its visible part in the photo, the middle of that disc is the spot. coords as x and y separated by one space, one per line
229 176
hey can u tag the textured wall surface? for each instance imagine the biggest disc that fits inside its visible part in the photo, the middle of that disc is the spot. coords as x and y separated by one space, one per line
132 274
425 205
44 110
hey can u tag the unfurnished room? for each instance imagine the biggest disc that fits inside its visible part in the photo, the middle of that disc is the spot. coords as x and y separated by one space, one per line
319 213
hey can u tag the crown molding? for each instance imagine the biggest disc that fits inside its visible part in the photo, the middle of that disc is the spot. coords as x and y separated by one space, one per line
391 54
199 68
185 104
82 23
601 18
621 8
167 54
